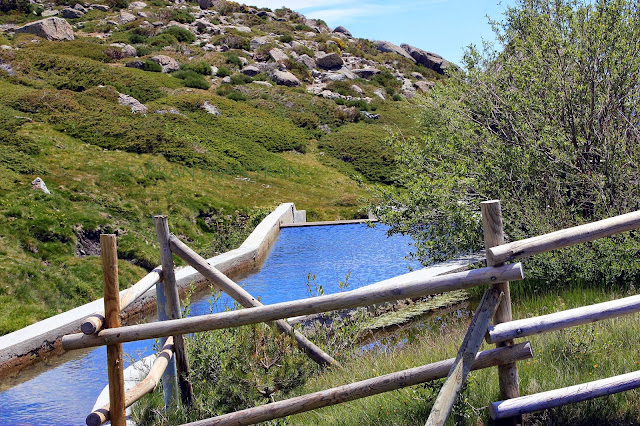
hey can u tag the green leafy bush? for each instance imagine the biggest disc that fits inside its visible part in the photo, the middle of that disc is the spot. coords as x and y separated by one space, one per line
192 79
238 79
137 39
152 66
183 16
180 34
202 68
223 72
234 95
143 51
286 38
162 40
233 59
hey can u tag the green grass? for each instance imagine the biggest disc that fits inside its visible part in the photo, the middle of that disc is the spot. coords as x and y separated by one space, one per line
562 358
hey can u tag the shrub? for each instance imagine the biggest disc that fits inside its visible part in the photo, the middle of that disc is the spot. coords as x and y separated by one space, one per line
233 59
286 38
142 51
183 16
152 66
201 67
302 27
305 120
137 39
22 6
192 79
236 96
223 72
118 4
238 79
180 34
162 40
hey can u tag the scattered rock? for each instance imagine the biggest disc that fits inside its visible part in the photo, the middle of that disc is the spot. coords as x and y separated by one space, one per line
261 83
424 85
133 103
259 41
125 17
366 72
127 50
205 26
6 47
8 69
226 80
206 4
357 89
49 12
342 30
51 28
168 111
167 63
417 75
239 28
135 64
211 109
80 7
329 61
101 7
380 93
285 78
278 55
137 5
385 46
70 13
369 115
332 76
264 13
428 59
306 60
250 70
39 184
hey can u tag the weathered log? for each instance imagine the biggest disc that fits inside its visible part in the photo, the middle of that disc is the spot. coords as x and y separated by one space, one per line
457 376
348 299
563 238
115 367
95 322
563 319
173 308
564 396
365 388
243 297
145 386
494 236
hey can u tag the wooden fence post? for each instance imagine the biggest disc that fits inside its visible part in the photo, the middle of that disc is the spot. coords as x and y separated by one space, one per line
109 255
494 236
173 308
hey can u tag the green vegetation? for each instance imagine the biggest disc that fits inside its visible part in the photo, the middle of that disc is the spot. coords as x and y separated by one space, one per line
180 34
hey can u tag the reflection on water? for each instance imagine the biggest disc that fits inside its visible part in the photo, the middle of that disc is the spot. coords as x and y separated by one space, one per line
64 394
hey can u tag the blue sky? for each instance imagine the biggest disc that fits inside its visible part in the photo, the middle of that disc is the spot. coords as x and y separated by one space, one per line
441 26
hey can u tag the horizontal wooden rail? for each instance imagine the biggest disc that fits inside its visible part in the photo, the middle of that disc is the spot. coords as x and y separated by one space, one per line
314 305
243 297
565 319
365 388
564 238
95 322
102 415
568 395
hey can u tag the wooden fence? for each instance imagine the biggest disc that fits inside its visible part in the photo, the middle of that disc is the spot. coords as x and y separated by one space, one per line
492 321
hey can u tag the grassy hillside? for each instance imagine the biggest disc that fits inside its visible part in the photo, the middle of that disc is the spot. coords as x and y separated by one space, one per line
215 175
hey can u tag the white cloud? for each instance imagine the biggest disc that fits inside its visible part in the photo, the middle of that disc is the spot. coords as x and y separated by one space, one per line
349 13
297 4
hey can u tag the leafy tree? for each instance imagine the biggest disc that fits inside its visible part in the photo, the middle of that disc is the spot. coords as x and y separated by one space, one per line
546 122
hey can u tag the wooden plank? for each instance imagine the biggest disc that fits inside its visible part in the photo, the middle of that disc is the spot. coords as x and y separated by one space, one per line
173 307
466 355
564 396
245 299
95 322
365 388
115 366
494 236
564 238
563 319
145 386
347 299
326 223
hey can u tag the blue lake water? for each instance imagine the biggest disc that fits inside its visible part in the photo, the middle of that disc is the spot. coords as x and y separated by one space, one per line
64 394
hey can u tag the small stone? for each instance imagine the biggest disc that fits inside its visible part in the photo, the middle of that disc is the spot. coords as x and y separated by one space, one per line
167 62
70 13
133 103
39 184
278 55
211 109
250 70
101 7
285 78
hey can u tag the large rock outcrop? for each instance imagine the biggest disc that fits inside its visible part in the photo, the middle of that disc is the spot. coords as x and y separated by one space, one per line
285 78
329 61
51 28
386 46
428 59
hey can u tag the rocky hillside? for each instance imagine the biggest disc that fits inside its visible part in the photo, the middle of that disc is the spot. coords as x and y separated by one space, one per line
211 113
